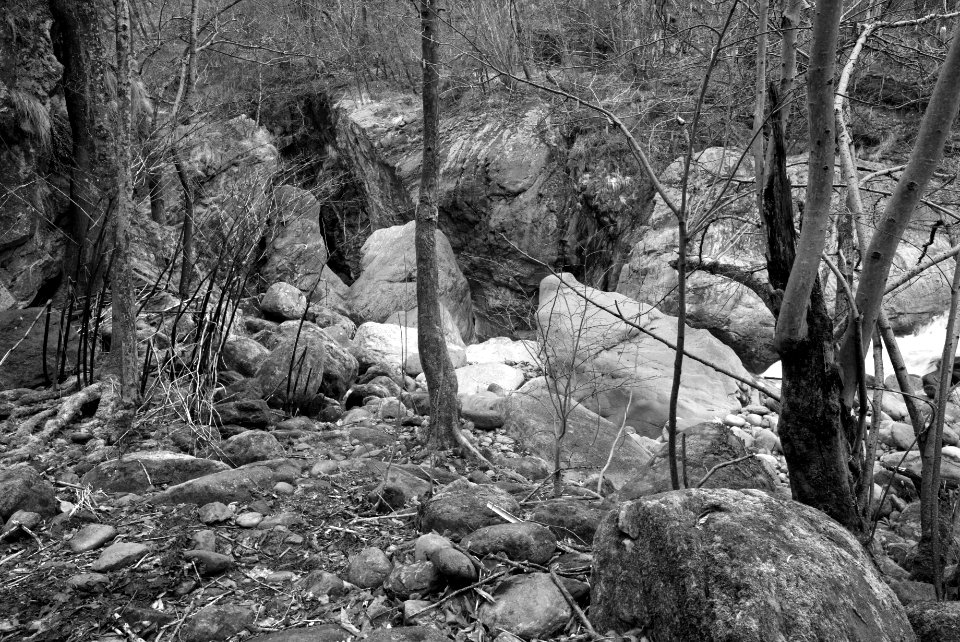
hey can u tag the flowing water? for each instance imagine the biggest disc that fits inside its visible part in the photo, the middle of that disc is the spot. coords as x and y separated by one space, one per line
921 350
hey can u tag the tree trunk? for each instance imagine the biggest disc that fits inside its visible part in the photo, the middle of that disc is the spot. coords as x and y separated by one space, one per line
124 301
813 436
437 366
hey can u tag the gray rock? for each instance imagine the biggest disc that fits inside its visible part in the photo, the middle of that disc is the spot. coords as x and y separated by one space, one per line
321 583
369 568
283 301
573 519
87 581
485 409
428 544
215 512
523 542
249 519
243 355
321 633
529 606
407 634
22 518
136 472
713 547
204 540
248 413
249 447
91 536
461 508
217 622
708 444
210 562
407 579
935 621
911 592
22 488
530 466
454 566
119 555
235 485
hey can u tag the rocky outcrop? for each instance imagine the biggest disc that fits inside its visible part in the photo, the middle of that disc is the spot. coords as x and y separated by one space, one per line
731 311
737 565
388 282
30 246
615 370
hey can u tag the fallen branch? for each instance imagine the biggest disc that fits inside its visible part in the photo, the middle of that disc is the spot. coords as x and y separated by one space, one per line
573 605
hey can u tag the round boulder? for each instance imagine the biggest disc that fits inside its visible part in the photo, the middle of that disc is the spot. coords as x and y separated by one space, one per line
283 301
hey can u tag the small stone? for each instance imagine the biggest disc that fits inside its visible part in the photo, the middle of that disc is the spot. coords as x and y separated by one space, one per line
285 519
735 421
412 611
119 555
530 606
91 536
283 488
454 566
24 518
428 544
322 583
209 562
757 409
217 622
204 540
369 568
407 579
87 581
767 440
215 512
249 519
754 419
280 577
523 541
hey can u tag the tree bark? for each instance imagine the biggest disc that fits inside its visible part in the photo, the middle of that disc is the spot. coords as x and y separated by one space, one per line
124 301
437 366
816 217
814 439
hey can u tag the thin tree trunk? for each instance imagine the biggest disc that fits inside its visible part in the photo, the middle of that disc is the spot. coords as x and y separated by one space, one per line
189 196
124 301
926 155
437 367
760 94
791 323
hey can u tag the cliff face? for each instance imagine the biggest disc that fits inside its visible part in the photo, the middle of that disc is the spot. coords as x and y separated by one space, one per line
29 196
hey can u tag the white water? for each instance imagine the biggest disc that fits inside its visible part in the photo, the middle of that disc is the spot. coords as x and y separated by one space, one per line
921 350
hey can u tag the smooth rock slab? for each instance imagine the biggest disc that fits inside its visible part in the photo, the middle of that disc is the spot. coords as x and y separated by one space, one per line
235 485
721 564
91 536
522 542
119 555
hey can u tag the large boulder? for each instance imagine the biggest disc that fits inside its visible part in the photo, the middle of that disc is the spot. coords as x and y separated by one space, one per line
723 564
388 282
396 346
139 471
244 355
733 312
22 488
616 370
534 414
284 302
296 252
233 485
707 445
306 364
504 350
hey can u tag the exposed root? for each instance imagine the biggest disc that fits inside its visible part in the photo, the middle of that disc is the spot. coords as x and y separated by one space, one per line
54 419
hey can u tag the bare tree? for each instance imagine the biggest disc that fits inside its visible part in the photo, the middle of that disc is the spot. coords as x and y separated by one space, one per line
437 366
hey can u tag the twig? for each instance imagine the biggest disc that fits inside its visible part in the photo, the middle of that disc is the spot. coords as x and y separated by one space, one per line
573 605
461 591
719 466
613 446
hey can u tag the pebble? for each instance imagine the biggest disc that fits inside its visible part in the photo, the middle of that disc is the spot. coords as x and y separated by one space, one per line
119 555
754 419
87 581
369 568
735 421
215 512
91 536
249 519
280 577
283 488
209 562
204 540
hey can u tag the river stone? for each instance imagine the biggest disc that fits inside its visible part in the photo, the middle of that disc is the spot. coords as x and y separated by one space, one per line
119 555
485 409
244 355
369 568
283 301
461 508
215 512
407 634
574 519
477 378
22 488
406 579
721 564
217 622
321 633
530 606
250 446
136 472
91 536
210 562
87 581
708 444
949 463
322 583
454 566
522 542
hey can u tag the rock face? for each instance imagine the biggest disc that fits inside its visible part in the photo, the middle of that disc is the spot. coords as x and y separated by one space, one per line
23 368
731 311
320 366
532 417
617 370
30 248
388 283
737 565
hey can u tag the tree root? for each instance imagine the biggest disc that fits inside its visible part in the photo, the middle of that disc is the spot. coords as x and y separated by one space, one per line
53 419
